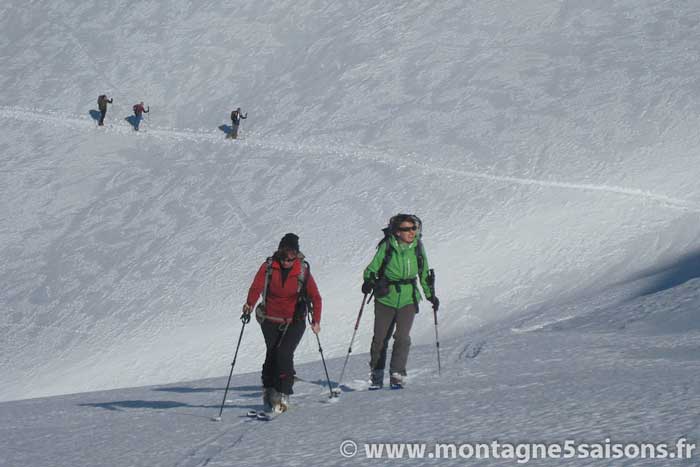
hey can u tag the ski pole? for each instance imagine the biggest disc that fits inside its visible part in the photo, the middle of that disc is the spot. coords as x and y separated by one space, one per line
320 350
431 284
437 340
245 318
357 325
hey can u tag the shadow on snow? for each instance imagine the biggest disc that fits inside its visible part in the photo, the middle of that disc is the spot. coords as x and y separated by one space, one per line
669 275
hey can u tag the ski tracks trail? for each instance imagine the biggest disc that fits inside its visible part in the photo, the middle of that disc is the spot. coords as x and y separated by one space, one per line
208 449
355 152
221 447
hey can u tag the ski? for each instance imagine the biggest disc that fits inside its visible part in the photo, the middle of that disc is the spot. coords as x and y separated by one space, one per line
259 415
262 415
393 386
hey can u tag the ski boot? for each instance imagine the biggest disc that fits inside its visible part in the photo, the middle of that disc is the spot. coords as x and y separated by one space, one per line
269 394
397 381
281 403
376 380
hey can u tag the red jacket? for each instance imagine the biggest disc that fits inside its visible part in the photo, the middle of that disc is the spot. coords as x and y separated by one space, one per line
282 298
139 109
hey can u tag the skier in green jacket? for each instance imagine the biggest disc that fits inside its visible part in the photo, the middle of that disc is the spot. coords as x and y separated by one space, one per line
397 267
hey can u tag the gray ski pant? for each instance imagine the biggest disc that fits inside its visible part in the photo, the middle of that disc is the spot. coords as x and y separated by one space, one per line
386 319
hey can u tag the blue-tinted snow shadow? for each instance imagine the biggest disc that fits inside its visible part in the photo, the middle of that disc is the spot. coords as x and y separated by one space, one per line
334 384
188 390
169 404
344 388
95 114
134 121
668 276
121 406
136 404
226 129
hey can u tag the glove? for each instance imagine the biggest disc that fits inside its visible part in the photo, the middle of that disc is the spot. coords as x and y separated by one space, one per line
245 317
436 303
367 287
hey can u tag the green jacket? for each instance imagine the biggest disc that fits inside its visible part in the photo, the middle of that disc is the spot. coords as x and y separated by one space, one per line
402 265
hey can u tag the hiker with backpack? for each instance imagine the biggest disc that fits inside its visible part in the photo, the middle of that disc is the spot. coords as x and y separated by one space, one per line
236 117
288 292
102 102
393 275
139 110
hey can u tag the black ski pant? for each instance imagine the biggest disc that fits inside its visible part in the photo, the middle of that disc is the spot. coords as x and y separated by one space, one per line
278 369
102 116
234 131
388 320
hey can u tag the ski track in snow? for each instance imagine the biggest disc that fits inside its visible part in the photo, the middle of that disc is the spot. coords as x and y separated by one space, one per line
361 152
211 447
230 435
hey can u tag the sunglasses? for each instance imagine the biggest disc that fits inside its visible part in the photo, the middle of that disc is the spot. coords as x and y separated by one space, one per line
287 260
408 229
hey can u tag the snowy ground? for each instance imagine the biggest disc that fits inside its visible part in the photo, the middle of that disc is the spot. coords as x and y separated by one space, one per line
631 383
549 147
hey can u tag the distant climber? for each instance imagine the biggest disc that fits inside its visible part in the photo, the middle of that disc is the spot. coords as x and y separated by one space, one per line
139 110
102 102
236 117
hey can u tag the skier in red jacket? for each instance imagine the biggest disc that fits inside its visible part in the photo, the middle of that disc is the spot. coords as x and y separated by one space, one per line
282 316
139 110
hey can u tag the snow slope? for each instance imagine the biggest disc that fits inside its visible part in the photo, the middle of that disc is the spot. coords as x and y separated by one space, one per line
548 147
545 385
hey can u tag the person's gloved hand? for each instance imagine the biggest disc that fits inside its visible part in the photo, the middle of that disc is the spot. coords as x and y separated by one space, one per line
367 287
435 301
245 317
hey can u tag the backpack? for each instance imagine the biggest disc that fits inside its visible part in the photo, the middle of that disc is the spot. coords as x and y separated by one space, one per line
303 306
235 117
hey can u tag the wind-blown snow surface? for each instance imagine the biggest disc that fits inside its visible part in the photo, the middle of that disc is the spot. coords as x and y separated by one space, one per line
548 146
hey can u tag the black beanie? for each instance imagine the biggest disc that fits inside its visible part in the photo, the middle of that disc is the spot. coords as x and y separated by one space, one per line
289 241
